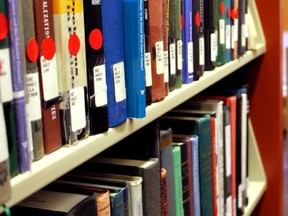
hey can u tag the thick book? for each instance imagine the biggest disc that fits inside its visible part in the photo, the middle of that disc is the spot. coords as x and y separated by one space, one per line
165 9
148 169
186 165
32 81
148 66
187 37
5 186
118 194
7 92
134 185
48 75
242 27
17 60
112 20
156 49
134 53
58 203
96 71
210 35
164 196
235 24
228 34
72 75
197 126
178 188
198 39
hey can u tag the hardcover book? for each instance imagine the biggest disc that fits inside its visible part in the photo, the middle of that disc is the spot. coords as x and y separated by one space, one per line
112 20
134 53
17 71
7 92
165 4
220 26
58 203
96 71
48 74
148 169
156 49
72 74
32 81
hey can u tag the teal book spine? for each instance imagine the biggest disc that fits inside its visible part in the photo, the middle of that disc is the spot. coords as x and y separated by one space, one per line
220 27
134 53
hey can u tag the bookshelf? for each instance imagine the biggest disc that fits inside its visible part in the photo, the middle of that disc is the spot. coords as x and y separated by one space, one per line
63 160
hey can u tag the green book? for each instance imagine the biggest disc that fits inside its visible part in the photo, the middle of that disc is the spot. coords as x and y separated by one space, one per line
197 126
179 44
220 28
6 93
178 181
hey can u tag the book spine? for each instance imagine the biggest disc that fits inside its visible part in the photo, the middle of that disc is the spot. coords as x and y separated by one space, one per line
96 71
164 200
187 73
220 25
165 4
235 18
16 57
178 181
72 75
7 92
178 42
103 204
112 17
5 186
32 81
156 49
48 74
148 66
227 17
133 19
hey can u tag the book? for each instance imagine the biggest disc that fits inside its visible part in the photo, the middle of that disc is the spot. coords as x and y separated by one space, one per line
96 71
134 53
118 194
198 39
186 165
187 72
17 71
148 66
5 186
165 9
49 202
164 195
48 75
32 81
7 92
112 17
228 34
156 49
198 126
220 26
210 35
242 28
72 75
134 184
148 169
178 188
235 24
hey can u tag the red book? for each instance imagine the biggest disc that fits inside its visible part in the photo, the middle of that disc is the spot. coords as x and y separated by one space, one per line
156 48
47 64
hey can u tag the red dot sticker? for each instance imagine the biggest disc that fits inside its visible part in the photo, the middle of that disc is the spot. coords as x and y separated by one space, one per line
222 7
48 48
32 50
182 21
74 44
197 19
229 12
4 26
96 39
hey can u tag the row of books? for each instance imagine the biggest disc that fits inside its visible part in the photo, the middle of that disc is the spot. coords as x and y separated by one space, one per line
77 68
190 161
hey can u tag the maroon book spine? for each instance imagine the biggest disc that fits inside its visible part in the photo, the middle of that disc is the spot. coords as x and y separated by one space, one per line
47 63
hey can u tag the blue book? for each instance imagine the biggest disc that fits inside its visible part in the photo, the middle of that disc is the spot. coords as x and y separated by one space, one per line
16 57
112 20
134 53
187 37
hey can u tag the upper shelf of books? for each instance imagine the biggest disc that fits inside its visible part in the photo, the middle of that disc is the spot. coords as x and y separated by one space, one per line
56 164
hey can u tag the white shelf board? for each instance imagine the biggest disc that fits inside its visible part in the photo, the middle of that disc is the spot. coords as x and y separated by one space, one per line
63 160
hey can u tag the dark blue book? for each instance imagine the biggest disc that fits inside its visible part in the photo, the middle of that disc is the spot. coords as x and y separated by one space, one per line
187 37
17 72
96 71
134 54
112 20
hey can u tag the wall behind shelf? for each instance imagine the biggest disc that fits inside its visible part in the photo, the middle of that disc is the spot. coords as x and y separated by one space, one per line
266 107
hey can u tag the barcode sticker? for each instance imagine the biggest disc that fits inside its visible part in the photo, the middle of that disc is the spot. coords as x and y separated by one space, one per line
222 31
148 71
166 66
172 58
179 55
213 42
201 51
77 108
119 81
159 57
190 57
100 86
33 90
